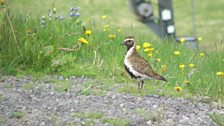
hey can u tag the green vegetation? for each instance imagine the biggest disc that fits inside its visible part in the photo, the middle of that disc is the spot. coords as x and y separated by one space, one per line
218 118
116 121
28 86
208 16
90 117
149 115
8 86
1 97
70 124
89 46
3 119
61 86
55 120
18 114
96 88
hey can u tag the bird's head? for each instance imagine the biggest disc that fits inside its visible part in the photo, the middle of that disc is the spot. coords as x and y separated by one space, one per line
129 41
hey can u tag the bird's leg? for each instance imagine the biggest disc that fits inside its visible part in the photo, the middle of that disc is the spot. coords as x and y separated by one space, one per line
142 83
139 86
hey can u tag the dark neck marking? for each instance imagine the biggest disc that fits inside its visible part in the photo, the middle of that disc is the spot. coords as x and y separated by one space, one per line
129 47
130 73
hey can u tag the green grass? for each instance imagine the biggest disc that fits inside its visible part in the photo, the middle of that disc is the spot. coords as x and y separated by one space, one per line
89 115
1 98
55 120
208 16
3 119
153 115
218 118
28 86
18 114
36 49
62 86
116 121
92 116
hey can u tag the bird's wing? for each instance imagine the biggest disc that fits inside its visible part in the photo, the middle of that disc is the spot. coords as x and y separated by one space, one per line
141 65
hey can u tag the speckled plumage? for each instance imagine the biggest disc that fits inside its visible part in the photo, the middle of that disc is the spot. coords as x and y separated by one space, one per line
136 65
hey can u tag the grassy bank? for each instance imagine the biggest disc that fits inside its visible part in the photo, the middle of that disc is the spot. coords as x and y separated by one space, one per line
208 16
67 47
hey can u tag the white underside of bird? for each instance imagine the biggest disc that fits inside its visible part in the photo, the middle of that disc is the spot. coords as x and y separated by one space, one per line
127 63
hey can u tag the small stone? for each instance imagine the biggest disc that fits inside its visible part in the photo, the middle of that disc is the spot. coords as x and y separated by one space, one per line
60 78
72 110
42 124
113 96
19 90
149 123
214 105
121 105
184 119
83 123
155 106
169 121
132 107
107 124
153 95
44 106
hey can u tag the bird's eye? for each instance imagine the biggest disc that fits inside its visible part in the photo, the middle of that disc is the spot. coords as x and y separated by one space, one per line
129 41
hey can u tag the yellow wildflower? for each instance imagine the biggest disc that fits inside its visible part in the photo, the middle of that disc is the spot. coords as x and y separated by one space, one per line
106 26
178 88
138 47
191 65
118 30
54 10
150 54
158 59
202 54
181 66
177 53
146 44
83 41
112 36
151 49
187 82
104 16
88 32
182 40
199 38
220 73
148 49
164 67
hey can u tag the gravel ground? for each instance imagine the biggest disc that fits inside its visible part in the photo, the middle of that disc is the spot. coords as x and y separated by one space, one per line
41 105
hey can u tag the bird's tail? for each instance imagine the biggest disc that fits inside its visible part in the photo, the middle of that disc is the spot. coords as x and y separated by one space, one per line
161 78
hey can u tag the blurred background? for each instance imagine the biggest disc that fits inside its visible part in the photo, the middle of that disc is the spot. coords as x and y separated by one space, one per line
209 16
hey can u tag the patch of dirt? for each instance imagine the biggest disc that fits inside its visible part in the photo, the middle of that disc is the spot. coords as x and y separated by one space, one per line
42 105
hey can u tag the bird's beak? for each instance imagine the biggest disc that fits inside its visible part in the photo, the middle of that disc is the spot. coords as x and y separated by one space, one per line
122 43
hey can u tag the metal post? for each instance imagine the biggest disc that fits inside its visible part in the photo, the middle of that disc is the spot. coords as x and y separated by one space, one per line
166 18
163 24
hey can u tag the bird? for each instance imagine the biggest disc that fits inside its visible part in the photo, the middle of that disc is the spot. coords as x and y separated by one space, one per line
136 66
